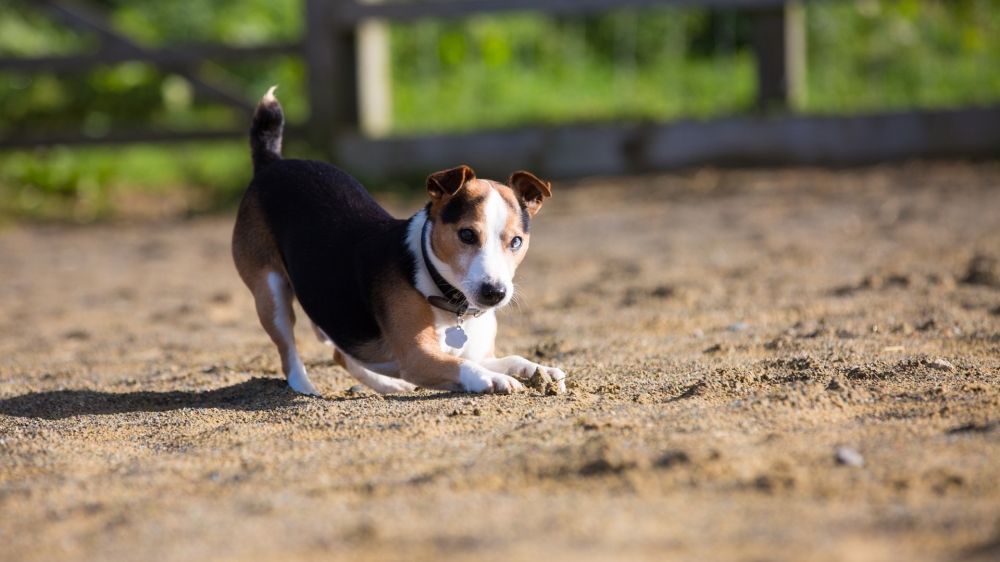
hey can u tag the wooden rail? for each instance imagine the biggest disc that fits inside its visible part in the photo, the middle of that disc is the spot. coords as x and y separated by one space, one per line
348 14
136 136
583 150
182 57
772 137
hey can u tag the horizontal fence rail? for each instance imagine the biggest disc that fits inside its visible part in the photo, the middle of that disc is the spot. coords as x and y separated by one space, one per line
330 50
175 57
136 136
582 150
349 14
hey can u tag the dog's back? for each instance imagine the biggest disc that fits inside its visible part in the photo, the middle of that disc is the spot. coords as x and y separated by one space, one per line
317 227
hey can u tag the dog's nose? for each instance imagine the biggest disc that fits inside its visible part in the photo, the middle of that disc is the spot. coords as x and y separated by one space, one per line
492 293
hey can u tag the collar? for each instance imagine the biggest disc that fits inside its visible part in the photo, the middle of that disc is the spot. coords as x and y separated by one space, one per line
453 300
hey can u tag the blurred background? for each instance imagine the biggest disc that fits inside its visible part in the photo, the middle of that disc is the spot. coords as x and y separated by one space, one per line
118 107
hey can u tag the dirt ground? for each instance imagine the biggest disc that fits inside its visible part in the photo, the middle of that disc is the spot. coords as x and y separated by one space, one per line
763 365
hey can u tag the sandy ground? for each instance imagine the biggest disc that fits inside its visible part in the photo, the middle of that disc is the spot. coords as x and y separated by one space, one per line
728 336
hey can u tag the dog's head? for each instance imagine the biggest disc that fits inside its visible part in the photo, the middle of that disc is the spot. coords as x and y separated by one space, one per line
481 229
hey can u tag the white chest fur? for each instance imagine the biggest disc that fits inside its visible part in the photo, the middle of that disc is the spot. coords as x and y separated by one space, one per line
481 332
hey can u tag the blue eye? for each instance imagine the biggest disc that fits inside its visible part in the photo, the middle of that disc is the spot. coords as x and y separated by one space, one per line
515 243
467 236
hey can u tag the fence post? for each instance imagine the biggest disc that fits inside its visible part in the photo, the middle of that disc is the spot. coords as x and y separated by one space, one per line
374 77
795 53
778 37
331 75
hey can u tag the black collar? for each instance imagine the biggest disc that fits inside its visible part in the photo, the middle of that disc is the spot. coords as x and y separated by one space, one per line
453 301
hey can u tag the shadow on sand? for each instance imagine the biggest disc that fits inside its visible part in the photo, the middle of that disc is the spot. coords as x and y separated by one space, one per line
254 395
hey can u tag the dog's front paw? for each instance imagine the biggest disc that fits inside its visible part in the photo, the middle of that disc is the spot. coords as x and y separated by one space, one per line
526 369
558 376
474 378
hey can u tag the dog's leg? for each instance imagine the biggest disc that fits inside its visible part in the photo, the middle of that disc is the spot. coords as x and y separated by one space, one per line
428 367
407 322
377 382
519 366
273 295
260 266
321 335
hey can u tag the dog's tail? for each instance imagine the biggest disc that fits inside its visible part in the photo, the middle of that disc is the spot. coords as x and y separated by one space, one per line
265 132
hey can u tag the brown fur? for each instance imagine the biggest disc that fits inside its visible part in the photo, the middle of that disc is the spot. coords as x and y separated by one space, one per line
530 189
514 227
445 242
444 238
408 324
256 256
338 357
254 248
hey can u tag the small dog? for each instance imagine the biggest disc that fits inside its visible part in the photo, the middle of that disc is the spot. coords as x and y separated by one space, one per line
405 303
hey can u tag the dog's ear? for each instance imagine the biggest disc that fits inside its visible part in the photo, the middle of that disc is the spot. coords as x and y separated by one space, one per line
530 190
448 182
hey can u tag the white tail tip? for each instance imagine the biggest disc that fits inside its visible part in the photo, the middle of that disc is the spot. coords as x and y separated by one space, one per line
269 96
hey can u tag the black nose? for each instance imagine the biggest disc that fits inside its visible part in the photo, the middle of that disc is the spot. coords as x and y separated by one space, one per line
492 293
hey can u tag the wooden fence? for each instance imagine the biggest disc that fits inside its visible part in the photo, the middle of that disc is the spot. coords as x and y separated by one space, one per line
771 136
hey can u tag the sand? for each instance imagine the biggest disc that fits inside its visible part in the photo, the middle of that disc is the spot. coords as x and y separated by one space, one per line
763 365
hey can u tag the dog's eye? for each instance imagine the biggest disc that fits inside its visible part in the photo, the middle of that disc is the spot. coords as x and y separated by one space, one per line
515 243
467 235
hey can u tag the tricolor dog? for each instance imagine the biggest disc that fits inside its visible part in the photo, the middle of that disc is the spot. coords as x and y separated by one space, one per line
405 303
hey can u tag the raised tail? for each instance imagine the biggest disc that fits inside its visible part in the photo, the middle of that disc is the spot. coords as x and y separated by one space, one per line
265 132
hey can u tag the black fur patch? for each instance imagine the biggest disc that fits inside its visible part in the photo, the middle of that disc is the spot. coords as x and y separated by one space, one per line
339 247
265 134
459 206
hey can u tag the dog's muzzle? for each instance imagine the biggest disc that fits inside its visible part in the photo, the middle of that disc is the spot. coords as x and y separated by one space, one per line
491 294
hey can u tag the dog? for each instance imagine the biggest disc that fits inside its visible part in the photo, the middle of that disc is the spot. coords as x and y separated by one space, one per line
406 304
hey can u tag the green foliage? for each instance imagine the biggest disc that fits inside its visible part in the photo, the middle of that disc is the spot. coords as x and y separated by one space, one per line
506 70
85 183
662 64
871 55
233 22
489 71
29 33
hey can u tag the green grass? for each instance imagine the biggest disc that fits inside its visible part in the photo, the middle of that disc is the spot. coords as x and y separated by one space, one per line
474 98
879 56
512 70
485 72
82 184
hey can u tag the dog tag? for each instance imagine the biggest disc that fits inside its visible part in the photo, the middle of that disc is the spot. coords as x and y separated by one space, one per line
455 337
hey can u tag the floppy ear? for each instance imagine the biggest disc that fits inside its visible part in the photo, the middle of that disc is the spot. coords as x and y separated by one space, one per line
530 190
448 182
